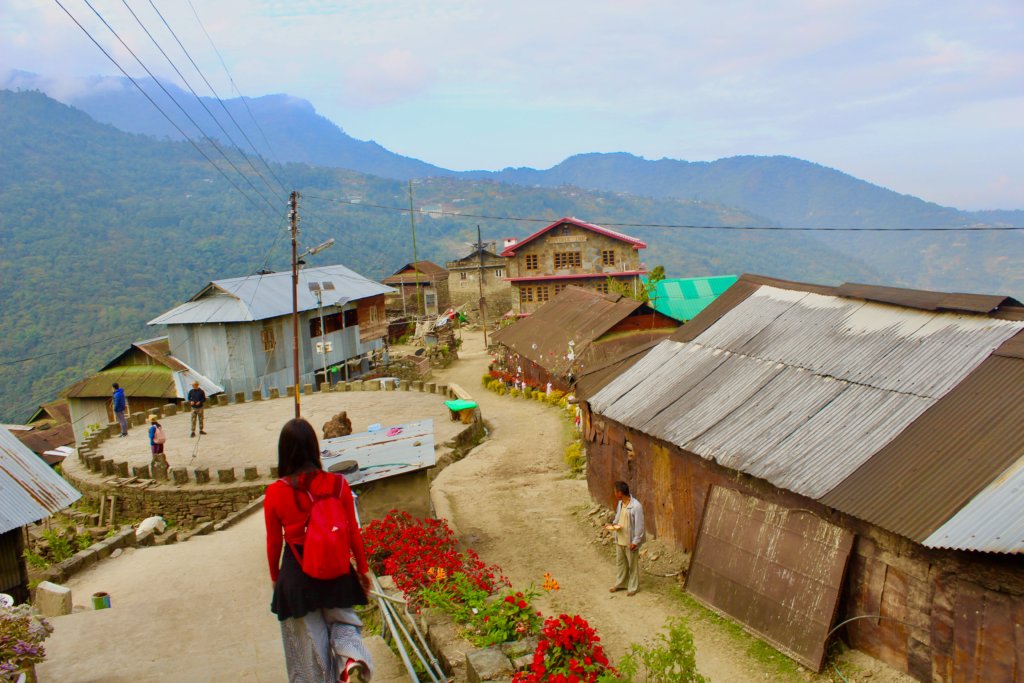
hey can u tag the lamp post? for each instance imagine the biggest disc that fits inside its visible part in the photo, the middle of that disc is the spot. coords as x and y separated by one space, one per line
296 261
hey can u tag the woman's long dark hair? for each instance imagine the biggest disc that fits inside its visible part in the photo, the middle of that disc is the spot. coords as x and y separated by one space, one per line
297 448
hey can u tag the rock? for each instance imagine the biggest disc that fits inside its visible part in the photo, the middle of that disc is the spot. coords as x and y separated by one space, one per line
339 425
52 600
488 664
117 552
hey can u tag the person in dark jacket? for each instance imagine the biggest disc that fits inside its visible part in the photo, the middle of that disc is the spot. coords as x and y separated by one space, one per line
120 409
197 399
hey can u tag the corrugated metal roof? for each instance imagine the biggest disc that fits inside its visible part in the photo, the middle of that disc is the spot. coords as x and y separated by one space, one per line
258 297
806 390
634 242
41 440
684 298
945 459
153 381
577 315
385 453
422 271
29 489
993 521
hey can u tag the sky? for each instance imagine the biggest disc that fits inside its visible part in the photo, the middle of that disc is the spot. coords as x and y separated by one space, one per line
923 97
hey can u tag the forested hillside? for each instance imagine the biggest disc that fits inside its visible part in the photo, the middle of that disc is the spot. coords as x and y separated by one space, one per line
781 190
101 230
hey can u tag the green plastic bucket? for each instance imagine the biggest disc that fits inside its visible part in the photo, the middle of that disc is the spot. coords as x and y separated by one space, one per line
101 600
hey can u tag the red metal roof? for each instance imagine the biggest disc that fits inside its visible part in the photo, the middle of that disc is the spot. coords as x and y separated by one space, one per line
632 241
578 276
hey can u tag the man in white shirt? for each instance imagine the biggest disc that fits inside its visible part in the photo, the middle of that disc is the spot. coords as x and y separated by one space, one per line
628 526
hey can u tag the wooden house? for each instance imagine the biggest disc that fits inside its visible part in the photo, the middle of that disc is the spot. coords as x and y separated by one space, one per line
420 288
150 376
578 330
838 460
238 332
570 252
29 492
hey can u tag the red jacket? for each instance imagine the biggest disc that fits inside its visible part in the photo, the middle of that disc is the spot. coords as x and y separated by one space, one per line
286 512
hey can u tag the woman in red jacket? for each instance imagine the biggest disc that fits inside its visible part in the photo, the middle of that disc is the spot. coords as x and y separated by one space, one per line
320 630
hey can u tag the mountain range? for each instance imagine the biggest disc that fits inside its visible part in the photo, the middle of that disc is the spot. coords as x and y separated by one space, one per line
102 230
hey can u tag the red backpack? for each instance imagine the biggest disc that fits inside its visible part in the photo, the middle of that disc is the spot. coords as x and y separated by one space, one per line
326 550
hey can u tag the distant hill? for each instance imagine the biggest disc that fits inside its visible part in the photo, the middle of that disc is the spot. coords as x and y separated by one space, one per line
293 129
101 230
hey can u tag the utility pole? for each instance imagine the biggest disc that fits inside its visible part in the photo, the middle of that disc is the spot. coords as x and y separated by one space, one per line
415 270
294 215
480 280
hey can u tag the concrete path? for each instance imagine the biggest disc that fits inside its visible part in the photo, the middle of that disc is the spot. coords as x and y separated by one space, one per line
193 612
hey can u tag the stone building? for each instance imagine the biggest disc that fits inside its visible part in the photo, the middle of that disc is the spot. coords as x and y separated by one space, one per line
465 276
420 288
570 252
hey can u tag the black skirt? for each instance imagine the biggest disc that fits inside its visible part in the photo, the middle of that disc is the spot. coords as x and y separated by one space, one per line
296 594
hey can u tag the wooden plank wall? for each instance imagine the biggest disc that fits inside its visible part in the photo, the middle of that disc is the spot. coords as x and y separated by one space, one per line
947 616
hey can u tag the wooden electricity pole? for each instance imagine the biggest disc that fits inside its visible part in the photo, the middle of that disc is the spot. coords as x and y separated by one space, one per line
480 280
415 269
294 216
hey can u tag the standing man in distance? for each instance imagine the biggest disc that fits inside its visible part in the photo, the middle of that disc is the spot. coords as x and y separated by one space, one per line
628 526
120 408
197 399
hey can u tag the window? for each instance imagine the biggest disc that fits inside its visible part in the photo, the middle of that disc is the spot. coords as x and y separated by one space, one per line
607 257
559 289
462 275
332 322
531 262
498 272
267 336
430 300
525 294
602 287
568 259
542 293
566 231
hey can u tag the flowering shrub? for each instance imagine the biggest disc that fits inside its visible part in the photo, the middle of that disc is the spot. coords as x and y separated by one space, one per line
510 618
22 633
416 551
549 583
569 652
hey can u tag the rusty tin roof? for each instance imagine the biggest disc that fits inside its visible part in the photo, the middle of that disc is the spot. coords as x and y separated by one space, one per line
29 489
576 315
899 415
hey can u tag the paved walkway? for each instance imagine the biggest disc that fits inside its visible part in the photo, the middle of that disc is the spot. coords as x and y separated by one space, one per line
246 435
193 612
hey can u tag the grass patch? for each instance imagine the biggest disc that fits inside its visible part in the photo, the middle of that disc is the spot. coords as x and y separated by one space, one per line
777 663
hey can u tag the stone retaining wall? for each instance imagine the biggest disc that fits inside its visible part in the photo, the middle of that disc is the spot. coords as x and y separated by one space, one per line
187 507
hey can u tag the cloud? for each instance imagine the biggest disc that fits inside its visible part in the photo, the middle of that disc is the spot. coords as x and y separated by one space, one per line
385 78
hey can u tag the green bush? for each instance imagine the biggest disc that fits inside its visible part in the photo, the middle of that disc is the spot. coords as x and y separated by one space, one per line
486 380
514 393
574 457
671 658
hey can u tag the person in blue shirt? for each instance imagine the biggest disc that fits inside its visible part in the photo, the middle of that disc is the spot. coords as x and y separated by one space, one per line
120 409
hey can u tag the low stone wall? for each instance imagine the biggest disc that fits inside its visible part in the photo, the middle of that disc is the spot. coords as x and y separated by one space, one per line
62 571
187 507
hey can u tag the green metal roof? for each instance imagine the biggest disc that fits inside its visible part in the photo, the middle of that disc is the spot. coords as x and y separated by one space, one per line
154 381
684 298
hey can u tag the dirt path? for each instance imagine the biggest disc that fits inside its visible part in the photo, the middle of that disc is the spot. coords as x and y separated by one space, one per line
513 501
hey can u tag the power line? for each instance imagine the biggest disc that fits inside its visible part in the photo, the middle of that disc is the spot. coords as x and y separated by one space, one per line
158 108
779 228
55 353
230 80
176 103
194 93
222 104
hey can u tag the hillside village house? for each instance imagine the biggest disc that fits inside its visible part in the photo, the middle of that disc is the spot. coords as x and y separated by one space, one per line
238 332
466 274
29 491
570 252
578 329
832 454
420 288
150 376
